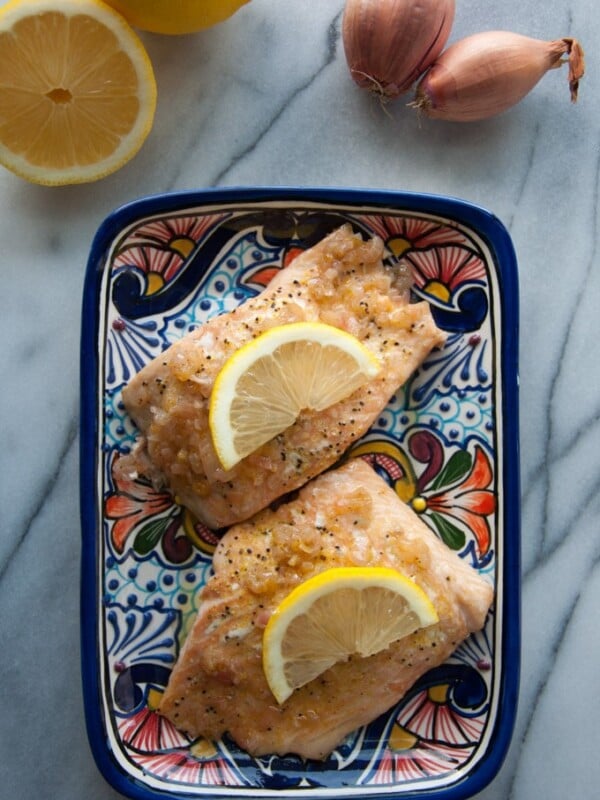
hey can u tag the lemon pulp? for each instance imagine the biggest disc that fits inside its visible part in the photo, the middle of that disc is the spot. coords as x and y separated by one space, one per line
77 90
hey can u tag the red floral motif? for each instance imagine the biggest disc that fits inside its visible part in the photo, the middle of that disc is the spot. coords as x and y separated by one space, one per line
158 265
444 266
137 507
448 266
401 234
466 496
430 716
149 732
172 232
156 745
133 502
431 734
470 502
160 248
182 767
425 759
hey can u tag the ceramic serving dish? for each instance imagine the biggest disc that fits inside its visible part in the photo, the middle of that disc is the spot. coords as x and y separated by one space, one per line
448 442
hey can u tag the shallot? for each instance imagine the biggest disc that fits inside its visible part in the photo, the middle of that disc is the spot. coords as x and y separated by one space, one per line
390 43
487 73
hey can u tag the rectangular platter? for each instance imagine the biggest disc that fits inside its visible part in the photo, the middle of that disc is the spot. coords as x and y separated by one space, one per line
447 442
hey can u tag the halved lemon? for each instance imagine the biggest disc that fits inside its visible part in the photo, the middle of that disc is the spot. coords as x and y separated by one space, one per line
339 613
77 90
183 16
264 386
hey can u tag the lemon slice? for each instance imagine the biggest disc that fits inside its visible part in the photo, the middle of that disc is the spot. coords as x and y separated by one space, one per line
262 388
77 90
184 16
339 613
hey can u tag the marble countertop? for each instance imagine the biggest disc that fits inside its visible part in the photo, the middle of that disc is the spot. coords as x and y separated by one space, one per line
265 99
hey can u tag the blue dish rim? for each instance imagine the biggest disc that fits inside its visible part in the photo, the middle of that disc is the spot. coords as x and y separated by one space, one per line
497 238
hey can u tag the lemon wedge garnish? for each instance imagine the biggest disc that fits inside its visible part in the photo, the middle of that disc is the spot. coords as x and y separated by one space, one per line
77 90
265 385
341 612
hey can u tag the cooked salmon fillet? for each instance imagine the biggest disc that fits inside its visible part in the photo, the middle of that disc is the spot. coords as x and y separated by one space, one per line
346 517
340 281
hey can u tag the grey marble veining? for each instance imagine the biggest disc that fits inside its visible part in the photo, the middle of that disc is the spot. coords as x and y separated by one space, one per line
265 99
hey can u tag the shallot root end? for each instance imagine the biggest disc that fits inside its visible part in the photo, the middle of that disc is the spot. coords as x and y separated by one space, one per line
370 82
420 104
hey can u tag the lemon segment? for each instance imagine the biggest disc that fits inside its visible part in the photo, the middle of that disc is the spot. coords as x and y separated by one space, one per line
339 613
77 90
265 385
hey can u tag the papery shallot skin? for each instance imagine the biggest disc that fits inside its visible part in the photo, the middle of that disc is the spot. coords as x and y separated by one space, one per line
341 281
488 73
346 517
390 43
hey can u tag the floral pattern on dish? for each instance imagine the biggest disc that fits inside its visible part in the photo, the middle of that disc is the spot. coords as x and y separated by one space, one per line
452 489
436 444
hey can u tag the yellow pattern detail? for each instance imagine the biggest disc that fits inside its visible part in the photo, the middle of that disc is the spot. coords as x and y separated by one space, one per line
439 693
203 748
419 504
398 245
401 739
182 245
154 282
153 699
438 290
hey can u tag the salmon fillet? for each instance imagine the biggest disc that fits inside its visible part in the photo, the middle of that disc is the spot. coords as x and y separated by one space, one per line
346 517
340 281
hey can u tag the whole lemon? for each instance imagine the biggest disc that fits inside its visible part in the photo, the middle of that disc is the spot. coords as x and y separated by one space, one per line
175 16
